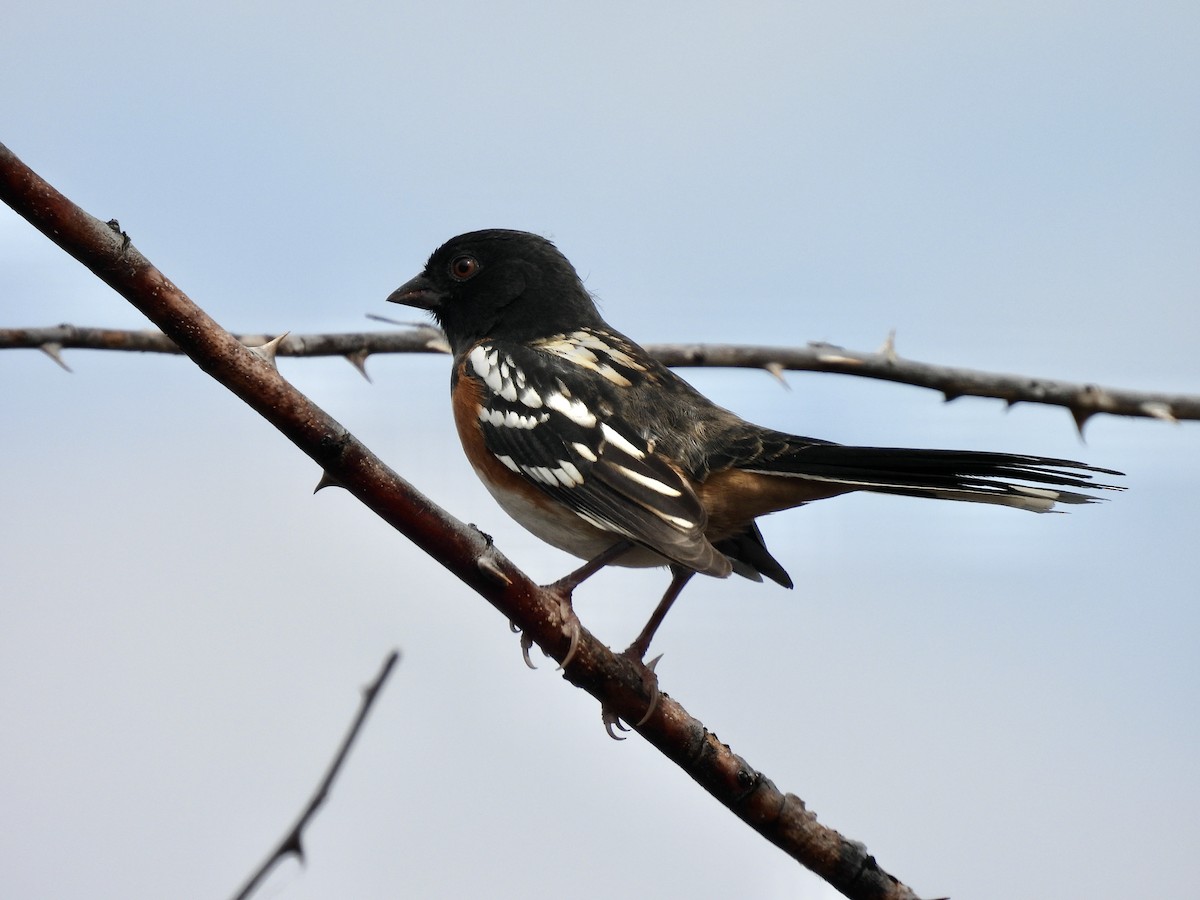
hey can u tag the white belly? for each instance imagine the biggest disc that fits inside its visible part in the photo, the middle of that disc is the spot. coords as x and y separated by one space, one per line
561 528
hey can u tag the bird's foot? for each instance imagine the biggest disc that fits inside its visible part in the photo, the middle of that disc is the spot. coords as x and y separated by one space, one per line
526 644
649 682
571 626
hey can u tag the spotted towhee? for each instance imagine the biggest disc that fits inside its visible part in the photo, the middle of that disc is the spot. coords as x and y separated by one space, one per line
600 450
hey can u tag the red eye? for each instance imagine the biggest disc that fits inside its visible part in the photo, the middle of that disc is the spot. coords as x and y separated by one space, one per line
463 267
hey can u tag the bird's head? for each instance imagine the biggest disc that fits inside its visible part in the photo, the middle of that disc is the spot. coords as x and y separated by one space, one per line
509 285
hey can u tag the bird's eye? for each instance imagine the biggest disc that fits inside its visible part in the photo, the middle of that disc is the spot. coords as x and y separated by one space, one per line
463 267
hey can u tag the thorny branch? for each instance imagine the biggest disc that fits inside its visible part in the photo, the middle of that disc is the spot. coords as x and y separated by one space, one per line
781 818
1082 400
293 842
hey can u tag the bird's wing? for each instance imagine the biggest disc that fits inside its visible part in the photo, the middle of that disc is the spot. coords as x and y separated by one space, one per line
555 426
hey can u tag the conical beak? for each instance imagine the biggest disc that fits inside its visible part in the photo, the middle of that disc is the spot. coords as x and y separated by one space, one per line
418 292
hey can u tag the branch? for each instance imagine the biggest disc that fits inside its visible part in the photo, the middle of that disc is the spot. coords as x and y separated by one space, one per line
1083 400
465 551
355 346
292 843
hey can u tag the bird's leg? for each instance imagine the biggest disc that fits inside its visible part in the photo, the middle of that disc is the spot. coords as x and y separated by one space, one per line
636 651
567 584
680 576
565 587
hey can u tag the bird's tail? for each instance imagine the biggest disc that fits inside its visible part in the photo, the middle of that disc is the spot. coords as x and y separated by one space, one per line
1034 483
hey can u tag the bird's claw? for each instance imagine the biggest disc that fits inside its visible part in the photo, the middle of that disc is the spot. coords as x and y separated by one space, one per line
571 628
526 645
650 682
611 721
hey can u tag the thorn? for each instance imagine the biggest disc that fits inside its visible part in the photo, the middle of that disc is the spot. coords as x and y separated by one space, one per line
54 351
1157 410
489 567
327 480
1081 416
777 370
950 396
358 359
267 351
839 359
888 350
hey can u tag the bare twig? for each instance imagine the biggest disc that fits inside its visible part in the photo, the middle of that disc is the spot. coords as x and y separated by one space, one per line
292 843
1082 400
613 680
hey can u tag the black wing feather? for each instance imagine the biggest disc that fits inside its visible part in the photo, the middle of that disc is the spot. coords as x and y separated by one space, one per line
550 434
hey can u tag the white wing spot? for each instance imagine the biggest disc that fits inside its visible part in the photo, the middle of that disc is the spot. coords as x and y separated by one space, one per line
682 524
575 410
614 376
565 475
585 451
508 463
494 381
592 519
510 419
568 474
478 360
653 483
482 363
542 474
590 351
518 374
500 377
619 441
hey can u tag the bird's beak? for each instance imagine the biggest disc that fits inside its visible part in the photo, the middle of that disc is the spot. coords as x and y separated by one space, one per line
418 292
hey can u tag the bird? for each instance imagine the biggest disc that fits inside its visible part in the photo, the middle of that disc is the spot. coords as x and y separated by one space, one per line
600 450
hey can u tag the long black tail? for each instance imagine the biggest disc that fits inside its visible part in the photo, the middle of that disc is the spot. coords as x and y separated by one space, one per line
1035 483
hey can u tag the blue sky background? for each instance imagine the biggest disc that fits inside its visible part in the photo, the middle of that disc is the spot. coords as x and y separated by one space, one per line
998 704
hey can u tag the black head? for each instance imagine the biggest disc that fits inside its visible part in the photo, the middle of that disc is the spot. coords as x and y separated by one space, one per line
502 284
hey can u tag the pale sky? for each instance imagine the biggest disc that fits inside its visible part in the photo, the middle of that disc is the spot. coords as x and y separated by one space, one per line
998 704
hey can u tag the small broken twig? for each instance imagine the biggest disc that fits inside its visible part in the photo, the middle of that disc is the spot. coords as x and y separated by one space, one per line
292 843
